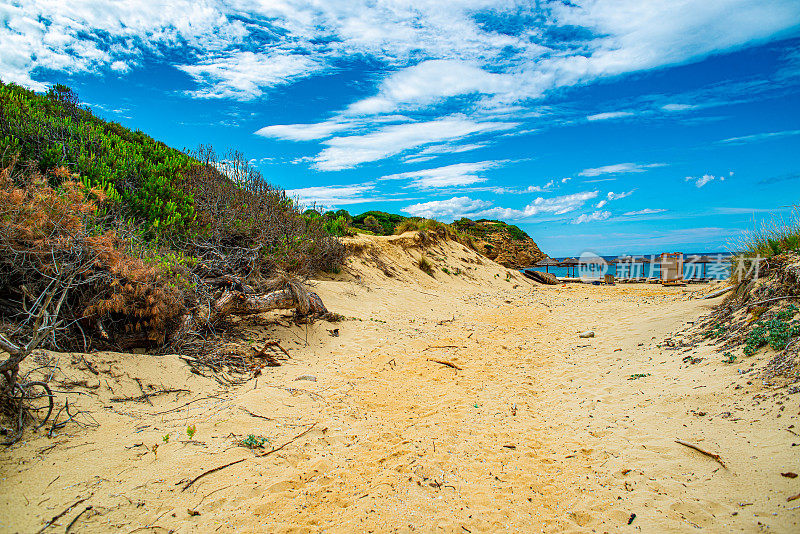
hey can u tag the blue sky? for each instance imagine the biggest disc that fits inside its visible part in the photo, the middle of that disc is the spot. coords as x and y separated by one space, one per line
618 126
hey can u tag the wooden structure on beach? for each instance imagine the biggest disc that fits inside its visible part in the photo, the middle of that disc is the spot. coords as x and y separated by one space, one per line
570 262
547 263
671 268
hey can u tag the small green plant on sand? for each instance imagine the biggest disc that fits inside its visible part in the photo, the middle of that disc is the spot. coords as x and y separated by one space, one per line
717 331
729 358
165 438
775 332
253 442
190 431
638 375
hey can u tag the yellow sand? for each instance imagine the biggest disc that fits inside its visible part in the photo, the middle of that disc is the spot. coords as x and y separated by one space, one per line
539 430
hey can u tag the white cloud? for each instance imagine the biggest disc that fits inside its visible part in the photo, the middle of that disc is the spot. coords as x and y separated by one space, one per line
645 211
540 188
463 52
758 137
678 107
457 207
453 208
449 148
610 115
349 151
700 181
304 132
592 217
244 75
335 195
455 175
619 168
429 82
616 196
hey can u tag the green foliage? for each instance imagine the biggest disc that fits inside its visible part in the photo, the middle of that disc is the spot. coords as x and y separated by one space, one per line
729 357
482 228
775 332
372 224
774 236
337 227
190 431
142 175
386 222
165 438
638 375
717 331
429 226
253 442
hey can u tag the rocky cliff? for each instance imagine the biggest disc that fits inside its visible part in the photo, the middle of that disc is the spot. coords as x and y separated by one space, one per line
504 243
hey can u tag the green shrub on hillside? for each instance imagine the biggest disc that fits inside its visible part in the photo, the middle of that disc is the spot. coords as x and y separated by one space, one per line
386 222
50 130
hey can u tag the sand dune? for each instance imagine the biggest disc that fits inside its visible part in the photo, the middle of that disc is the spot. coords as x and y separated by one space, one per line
537 429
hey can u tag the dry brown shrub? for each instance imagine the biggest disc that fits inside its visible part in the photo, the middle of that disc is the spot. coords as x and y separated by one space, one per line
49 234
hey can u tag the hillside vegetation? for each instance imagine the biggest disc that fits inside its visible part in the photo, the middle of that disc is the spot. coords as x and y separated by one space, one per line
504 243
111 239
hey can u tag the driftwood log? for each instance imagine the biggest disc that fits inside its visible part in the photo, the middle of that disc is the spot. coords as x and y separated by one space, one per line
542 278
294 296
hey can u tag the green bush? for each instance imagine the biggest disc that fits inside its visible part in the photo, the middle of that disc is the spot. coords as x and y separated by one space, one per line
386 221
50 130
775 332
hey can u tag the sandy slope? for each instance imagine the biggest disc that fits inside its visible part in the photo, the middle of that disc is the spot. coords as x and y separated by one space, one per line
538 430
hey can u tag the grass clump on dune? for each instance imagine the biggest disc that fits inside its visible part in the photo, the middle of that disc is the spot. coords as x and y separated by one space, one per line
774 236
425 265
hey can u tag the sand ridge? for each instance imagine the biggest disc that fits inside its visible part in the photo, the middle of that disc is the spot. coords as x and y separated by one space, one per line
539 430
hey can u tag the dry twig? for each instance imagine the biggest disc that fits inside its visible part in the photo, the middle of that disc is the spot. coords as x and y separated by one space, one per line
698 449
443 362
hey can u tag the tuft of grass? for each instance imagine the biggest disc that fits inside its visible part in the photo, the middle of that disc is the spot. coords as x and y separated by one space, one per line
429 226
773 236
425 265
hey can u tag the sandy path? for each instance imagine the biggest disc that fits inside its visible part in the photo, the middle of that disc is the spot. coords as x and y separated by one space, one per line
539 430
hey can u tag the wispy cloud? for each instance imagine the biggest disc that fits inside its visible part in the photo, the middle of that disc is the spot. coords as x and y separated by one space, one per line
243 75
758 137
448 176
338 195
610 115
700 181
620 168
613 196
349 151
592 217
678 107
645 211
463 206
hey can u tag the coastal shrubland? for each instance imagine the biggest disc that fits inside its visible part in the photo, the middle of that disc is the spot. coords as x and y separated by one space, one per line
760 310
110 239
